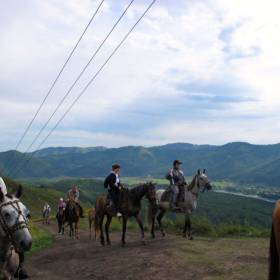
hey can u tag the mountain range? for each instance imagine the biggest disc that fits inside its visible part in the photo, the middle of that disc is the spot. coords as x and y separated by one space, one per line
239 161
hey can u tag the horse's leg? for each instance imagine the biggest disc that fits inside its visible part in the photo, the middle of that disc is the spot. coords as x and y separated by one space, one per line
188 227
71 230
77 229
90 226
139 222
159 217
153 227
124 230
101 218
107 226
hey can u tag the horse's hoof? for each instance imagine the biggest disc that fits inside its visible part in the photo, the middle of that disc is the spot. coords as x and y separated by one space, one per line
144 242
123 244
190 238
163 234
108 243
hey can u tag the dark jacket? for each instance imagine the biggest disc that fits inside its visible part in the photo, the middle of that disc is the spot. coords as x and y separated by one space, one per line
110 181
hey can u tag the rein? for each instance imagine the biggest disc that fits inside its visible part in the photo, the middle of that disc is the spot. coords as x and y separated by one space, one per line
9 231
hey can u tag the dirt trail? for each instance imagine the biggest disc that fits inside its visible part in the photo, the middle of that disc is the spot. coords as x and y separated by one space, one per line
169 258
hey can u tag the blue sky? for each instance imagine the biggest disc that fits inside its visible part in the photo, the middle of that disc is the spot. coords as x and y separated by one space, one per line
198 71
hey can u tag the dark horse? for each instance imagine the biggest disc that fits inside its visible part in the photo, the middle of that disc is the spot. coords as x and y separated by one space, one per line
60 217
274 261
129 206
72 217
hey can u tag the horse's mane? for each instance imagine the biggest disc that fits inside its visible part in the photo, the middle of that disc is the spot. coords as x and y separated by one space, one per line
192 183
138 190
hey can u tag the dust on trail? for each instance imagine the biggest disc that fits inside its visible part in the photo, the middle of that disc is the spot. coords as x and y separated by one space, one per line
171 257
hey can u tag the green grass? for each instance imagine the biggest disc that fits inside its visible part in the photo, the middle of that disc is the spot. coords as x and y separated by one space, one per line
41 238
227 258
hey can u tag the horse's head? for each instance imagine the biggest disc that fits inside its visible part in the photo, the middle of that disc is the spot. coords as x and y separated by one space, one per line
13 223
150 191
203 181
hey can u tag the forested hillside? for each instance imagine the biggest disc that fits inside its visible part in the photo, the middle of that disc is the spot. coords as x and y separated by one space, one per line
239 162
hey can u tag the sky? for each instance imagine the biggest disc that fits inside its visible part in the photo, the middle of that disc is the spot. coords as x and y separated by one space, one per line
196 71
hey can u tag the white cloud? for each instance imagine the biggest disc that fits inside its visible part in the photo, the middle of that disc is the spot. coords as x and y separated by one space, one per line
211 42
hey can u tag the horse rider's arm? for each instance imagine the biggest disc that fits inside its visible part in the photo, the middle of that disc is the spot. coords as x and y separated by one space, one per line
169 177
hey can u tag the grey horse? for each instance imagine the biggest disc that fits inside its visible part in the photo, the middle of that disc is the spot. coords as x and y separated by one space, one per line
186 205
14 234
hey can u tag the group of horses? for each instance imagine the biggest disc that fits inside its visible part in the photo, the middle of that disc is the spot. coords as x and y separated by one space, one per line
15 236
130 206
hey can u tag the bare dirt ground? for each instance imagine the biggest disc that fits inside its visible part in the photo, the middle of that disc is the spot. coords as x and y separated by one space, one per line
171 257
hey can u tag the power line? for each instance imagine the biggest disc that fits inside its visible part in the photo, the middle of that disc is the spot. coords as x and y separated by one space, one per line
89 83
58 76
77 79
56 79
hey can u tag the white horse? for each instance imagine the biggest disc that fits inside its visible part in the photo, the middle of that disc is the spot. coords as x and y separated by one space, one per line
200 182
14 234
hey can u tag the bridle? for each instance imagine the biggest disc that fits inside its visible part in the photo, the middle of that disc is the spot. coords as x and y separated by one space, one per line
9 231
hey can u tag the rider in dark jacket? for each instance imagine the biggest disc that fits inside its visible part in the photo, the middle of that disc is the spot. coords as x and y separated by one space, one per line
113 184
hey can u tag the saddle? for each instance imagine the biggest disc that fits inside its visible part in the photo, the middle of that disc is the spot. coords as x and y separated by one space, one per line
167 195
123 201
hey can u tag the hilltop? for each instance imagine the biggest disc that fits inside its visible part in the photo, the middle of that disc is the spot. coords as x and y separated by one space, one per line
239 162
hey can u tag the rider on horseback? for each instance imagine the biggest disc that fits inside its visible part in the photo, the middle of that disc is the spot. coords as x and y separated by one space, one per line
47 208
112 182
74 194
177 182
61 204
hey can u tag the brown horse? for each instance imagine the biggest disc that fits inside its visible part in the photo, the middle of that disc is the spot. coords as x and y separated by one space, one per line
72 217
274 261
91 217
129 206
60 217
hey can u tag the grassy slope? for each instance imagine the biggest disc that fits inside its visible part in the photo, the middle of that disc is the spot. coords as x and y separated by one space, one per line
227 258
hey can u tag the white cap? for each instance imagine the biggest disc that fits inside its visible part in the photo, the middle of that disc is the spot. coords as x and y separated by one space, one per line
3 186
61 199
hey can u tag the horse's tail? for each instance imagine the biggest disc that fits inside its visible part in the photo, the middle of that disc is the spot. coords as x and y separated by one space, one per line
96 225
273 257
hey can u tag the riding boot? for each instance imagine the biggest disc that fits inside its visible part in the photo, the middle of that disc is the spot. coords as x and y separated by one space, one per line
174 204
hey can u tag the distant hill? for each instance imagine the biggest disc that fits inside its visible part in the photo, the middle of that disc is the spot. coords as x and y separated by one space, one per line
239 162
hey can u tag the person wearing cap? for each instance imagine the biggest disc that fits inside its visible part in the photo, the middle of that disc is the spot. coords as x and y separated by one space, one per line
74 194
21 272
61 204
177 180
113 184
